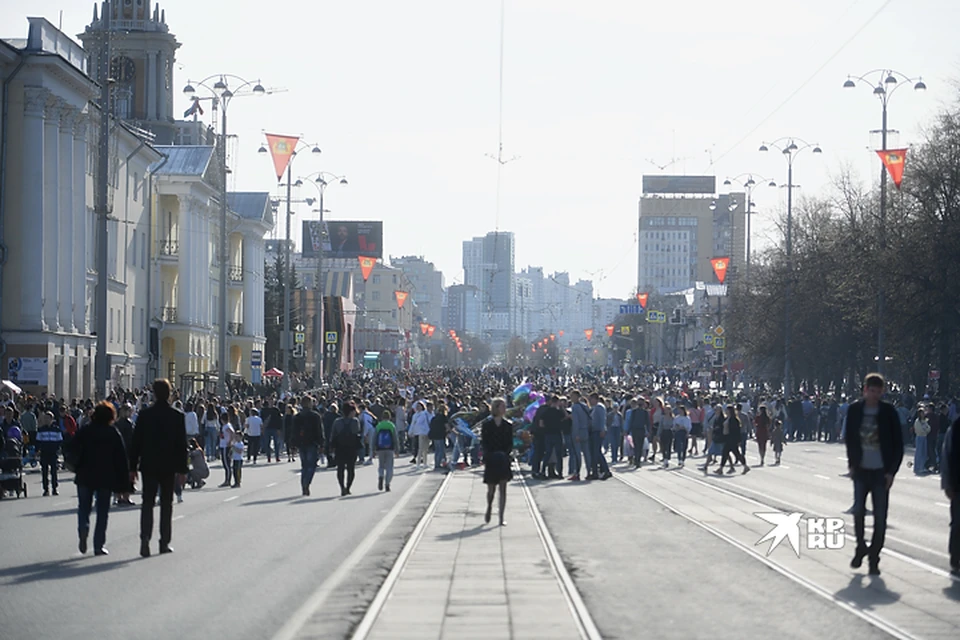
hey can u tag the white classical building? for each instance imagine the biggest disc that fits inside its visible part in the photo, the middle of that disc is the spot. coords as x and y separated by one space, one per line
47 223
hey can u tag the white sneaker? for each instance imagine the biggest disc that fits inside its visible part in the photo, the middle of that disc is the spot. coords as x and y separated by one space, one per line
179 498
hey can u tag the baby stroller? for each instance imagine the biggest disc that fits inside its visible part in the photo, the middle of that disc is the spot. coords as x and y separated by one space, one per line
11 469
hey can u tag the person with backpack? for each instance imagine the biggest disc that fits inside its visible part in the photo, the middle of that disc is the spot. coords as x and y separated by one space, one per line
385 444
346 440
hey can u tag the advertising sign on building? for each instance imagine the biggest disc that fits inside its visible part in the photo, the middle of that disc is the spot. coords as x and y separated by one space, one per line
346 239
28 371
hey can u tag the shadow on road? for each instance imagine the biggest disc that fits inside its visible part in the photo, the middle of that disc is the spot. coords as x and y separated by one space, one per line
466 533
867 593
57 570
51 514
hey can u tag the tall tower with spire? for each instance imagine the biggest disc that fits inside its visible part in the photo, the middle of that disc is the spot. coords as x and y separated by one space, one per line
142 52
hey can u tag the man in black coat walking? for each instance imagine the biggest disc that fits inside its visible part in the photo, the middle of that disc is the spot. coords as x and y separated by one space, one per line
159 451
874 442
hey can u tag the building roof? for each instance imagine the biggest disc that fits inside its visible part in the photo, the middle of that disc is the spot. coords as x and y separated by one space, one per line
185 160
250 205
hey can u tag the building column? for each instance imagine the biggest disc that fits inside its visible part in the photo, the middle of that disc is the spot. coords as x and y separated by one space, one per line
78 276
51 206
248 262
31 236
184 277
69 214
150 95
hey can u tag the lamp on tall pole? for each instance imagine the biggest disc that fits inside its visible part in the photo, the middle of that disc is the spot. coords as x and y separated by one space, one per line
286 278
320 181
747 181
223 95
789 149
884 85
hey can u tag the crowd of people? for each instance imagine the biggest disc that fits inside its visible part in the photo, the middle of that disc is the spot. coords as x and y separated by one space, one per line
580 425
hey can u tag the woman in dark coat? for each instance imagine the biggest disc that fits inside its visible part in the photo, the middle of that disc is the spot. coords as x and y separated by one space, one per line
101 471
496 438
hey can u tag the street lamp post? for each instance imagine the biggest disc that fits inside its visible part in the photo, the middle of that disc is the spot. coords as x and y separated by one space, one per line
286 278
789 149
223 95
886 84
322 180
746 180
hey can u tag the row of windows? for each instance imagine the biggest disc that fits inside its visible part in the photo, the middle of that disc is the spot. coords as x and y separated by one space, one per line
117 322
679 248
672 221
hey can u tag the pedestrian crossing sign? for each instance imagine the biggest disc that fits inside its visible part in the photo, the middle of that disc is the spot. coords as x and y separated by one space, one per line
719 343
299 337
708 338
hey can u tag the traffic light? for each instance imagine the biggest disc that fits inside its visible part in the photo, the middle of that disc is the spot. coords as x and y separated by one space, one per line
718 359
677 317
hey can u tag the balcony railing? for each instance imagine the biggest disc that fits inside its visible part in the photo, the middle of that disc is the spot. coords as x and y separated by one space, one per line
235 328
169 314
235 273
171 248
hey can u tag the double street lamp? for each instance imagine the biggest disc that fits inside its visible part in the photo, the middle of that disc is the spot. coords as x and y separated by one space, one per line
222 95
884 84
789 149
748 183
286 278
320 181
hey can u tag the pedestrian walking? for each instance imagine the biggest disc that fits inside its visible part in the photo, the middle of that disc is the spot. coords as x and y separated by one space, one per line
226 443
777 440
950 483
159 452
496 438
347 440
385 444
309 428
598 431
874 443
761 425
420 430
682 426
438 435
731 441
253 427
102 469
921 429
236 453
49 441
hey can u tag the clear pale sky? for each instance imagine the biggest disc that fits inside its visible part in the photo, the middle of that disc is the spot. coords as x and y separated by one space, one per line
403 99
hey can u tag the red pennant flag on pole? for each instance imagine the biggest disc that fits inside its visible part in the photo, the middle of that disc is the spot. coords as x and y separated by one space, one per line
588 333
281 150
423 328
401 298
642 299
366 266
430 331
720 267
609 329
894 160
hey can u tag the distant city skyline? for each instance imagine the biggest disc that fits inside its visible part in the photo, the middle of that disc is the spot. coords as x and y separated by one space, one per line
594 96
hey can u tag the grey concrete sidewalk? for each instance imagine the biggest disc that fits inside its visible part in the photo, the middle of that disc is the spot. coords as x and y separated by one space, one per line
465 579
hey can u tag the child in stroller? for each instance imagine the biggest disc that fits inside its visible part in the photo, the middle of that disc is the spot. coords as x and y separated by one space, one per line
11 466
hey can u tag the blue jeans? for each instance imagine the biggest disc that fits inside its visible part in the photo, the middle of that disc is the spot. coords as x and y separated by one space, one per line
680 445
553 445
439 451
920 455
597 463
210 441
873 482
272 436
573 449
308 463
615 437
85 506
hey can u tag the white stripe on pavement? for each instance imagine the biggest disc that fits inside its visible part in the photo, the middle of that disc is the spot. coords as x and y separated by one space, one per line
175 518
817 475
231 498
272 484
942 504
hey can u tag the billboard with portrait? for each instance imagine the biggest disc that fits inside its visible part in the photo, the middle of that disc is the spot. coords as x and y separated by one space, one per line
343 239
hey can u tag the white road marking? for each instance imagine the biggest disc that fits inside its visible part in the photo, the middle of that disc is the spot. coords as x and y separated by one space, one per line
783 466
231 498
817 475
272 484
942 504
844 458
175 518
60 504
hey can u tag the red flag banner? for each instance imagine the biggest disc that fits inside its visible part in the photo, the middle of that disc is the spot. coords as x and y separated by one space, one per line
588 333
366 266
720 267
894 160
642 299
282 149
430 330
609 329
401 298
423 328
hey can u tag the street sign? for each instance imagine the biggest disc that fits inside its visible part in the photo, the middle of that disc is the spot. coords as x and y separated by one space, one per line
708 338
718 331
719 343
718 359
298 351
627 309
934 374
299 327
656 317
256 358
331 337
625 330
299 337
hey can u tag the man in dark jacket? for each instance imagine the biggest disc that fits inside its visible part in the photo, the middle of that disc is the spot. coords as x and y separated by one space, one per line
49 440
125 426
874 452
309 431
950 482
159 451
